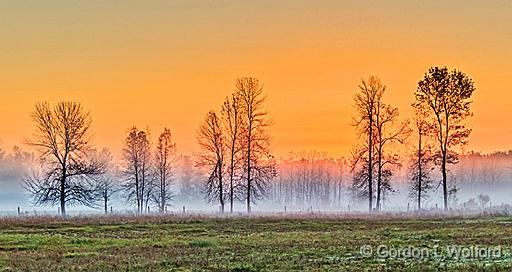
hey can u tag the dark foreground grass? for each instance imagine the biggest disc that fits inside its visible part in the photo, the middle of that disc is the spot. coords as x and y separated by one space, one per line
266 243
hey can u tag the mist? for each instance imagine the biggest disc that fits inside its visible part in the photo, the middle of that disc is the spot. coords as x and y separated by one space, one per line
482 181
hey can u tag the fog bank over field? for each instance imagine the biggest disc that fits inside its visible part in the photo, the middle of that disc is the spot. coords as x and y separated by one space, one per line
318 183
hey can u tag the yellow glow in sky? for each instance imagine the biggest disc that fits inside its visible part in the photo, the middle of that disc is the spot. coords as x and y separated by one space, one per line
166 63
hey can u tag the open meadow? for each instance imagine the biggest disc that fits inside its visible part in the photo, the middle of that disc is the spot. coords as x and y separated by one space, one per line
295 242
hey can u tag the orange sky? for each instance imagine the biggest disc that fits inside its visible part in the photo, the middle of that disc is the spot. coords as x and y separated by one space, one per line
166 63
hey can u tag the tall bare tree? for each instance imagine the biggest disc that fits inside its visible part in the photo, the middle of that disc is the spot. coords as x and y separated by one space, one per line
420 168
62 138
259 167
387 133
233 123
136 156
165 159
212 156
447 95
366 105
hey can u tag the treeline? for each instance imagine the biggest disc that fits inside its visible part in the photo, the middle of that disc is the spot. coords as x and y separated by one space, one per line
235 160
310 179
475 174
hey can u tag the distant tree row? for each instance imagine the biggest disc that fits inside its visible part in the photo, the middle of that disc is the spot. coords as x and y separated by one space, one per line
309 179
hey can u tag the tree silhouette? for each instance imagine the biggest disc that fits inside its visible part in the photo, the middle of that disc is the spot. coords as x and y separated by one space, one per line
165 158
259 164
233 124
447 96
420 168
365 104
105 184
211 141
136 156
385 117
62 140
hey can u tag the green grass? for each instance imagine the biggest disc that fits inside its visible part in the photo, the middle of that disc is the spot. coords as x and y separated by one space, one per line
245 243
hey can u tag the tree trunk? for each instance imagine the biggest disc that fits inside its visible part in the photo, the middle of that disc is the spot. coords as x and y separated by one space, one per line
370 168
231 196
231 191
62 207
63 193
379 181
221 189
137 193
163 193
445 187
420 174
379 174
249 171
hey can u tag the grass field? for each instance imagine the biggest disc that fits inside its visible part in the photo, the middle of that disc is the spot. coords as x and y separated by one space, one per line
260 243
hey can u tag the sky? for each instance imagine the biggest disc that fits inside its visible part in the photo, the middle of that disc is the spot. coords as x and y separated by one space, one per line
167 63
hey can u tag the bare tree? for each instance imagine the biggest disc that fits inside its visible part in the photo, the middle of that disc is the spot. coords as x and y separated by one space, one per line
212 156
62 140
419 170
105 185
165 159
233 122
366 104
136 156
106 188
447 96
385 117
259 166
